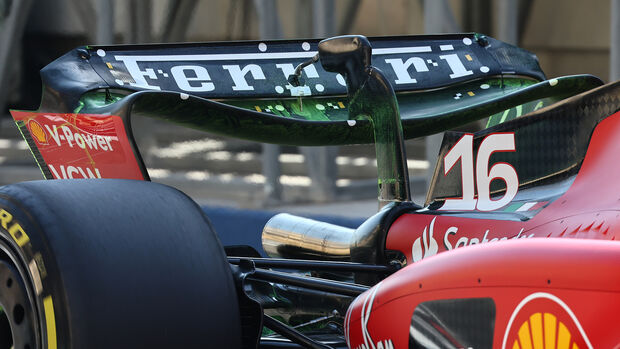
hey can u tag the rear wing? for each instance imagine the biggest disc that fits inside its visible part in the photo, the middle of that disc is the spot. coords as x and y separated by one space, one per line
260 69
242 89
441 81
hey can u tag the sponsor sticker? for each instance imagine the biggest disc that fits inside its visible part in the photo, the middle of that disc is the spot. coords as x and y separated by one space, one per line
37 132
80 145
542 320
454 237
262 69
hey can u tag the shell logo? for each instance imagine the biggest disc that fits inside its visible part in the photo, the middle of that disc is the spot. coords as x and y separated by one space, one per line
544 331
544 321
37 132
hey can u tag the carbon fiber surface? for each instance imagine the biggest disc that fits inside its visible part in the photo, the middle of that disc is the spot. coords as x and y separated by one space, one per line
551 143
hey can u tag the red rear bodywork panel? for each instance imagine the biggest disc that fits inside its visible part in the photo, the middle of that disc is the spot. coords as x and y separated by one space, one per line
541 293
68 146
526 292
589 209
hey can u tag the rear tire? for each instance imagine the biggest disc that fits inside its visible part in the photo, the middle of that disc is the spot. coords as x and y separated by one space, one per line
112 264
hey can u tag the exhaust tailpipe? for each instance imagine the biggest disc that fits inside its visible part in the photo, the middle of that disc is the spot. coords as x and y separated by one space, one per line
294 237
289 236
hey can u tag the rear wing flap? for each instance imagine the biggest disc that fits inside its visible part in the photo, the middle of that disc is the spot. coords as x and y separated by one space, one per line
241 89
259 69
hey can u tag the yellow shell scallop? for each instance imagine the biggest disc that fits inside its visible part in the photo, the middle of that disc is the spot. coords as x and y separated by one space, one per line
37 131
543 331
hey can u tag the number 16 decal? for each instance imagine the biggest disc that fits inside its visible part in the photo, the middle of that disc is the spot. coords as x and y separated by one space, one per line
463 150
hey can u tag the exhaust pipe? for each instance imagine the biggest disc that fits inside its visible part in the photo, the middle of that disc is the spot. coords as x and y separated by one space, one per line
294 237
289 236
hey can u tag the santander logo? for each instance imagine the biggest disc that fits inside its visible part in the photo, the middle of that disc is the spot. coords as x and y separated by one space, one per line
426 245
454 237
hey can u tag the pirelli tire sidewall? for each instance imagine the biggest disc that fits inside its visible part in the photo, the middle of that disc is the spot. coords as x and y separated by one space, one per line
23 243
119 264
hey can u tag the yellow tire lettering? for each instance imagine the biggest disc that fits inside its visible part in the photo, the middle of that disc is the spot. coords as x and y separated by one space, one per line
5 219
19 235
50 322
17 232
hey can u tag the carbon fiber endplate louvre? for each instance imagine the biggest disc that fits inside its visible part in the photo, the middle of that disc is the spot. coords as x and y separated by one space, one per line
23 129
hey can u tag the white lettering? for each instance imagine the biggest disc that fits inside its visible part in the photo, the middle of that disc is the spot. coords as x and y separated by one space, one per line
70 172
183 80
418 252
102 143
519 235
131 63
458 69
79 140
90 140
465 241
484 238
81 172
54 172
68 135
446 242
108 140
462 241
288 69
82 140
401 69
54 134
196 78
238 75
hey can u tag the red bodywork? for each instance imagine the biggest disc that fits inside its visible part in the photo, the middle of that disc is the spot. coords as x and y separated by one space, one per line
545 291
80 145
590 209
574 281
